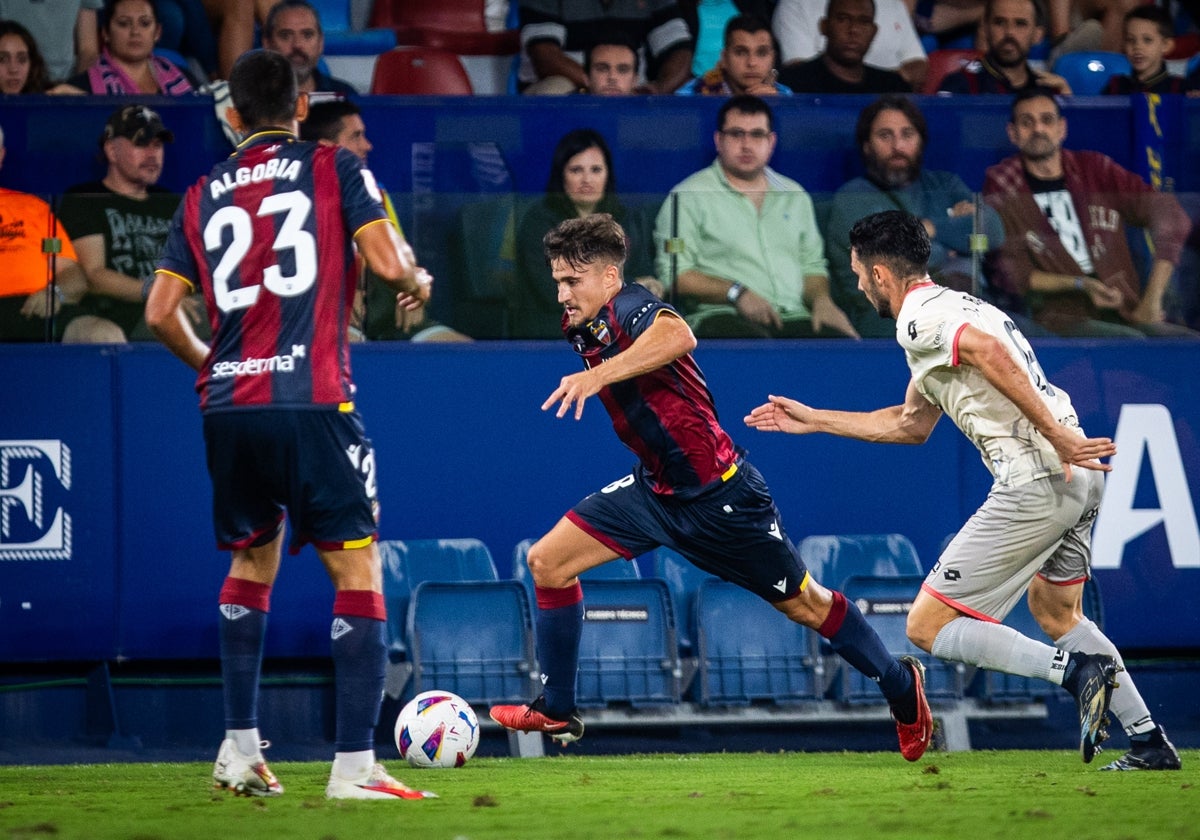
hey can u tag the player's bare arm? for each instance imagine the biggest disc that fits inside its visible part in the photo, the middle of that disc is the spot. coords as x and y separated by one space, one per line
664 341
167 320
985 352
911 423
391 258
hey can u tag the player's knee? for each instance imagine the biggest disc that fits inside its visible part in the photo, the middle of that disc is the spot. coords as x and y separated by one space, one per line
545 568
920 631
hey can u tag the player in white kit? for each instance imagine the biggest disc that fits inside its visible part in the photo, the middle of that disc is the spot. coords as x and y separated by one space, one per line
969 360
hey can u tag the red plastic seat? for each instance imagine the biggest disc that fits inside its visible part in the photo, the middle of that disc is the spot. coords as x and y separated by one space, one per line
420 70
458 26
944 62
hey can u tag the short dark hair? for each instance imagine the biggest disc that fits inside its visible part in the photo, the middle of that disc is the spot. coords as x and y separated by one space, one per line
110 7
894 238
268 27
829 7
745 103
746 23
890 102
324 120
1039 11
1025 94
612 38
262 86
581 242
1157 15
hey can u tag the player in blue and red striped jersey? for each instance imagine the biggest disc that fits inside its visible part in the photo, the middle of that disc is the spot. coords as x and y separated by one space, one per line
269 237
693 490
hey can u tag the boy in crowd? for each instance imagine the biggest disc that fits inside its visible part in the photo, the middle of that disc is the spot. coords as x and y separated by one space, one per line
1149 36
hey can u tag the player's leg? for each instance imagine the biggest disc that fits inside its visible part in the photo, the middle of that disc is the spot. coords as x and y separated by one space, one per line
248 523
556 561
983 572
1056 601
621 520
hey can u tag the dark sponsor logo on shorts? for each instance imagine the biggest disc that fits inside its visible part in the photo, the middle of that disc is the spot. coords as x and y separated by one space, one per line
952 574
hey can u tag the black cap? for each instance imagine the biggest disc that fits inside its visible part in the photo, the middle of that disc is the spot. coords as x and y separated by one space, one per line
137 123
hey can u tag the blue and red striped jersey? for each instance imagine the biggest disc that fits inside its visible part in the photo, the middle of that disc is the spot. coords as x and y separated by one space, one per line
667 416
267 236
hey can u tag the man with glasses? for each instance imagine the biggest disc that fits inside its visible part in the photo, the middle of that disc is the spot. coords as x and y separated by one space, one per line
739 241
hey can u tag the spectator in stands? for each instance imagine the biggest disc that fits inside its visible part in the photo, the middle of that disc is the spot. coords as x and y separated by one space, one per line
892 136
896 46
127 63
555 34
378 314
1079 25
1149 36
947 20
581 182
1065 216
1010 29
1033 533
22 68
66 32
119 225
746 248
27 299
611 66
848 27
293 29
747 63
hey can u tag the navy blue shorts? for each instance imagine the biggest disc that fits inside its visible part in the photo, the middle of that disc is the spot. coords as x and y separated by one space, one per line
733 531
316 465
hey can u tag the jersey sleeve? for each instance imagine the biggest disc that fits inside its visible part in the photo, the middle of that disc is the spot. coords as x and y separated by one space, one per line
635 309
362 200
930 335
177 258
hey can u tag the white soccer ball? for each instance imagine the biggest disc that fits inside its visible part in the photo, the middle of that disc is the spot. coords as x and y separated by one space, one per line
437 729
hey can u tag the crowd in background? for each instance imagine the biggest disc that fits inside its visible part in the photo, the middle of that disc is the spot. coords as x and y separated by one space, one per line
748 52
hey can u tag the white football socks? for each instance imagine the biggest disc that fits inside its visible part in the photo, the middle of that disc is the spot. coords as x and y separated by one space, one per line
1127 703
998 647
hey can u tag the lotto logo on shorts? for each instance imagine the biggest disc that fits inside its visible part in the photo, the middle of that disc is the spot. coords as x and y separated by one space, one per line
34 478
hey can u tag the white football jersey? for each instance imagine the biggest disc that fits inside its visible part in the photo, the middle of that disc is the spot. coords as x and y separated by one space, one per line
927 327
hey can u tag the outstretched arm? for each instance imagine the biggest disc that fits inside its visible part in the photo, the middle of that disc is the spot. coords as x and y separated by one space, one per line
911 422
985 352
664 341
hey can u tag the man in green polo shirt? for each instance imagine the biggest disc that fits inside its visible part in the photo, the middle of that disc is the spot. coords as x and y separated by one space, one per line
740 244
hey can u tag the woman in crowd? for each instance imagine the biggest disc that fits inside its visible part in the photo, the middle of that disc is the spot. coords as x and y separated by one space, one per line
127 63
22 68
581 182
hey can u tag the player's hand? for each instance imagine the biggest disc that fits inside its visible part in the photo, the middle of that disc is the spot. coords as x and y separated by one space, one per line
826 313
1083 452
758 310
781 414
419 296
573 390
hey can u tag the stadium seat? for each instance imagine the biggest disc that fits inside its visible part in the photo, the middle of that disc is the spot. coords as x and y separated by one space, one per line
749 651
1193 63
419 71
1088 72
483 248
885 602
459 26
944 62
474 639
407 563
833 558
628 653
683 580
340 36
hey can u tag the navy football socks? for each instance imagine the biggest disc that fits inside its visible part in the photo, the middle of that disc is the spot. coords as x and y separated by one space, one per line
559 627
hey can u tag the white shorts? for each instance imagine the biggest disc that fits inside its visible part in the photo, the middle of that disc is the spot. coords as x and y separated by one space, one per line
1040 528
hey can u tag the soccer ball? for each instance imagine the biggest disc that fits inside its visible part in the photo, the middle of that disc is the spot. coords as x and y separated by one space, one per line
437 729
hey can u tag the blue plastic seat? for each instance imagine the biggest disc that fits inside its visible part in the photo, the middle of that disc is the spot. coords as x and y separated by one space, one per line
749 651
833 558
1088 72
474 639
885 603
684 581
628 652
342 39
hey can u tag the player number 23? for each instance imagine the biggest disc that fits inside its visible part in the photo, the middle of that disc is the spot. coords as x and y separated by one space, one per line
291 236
